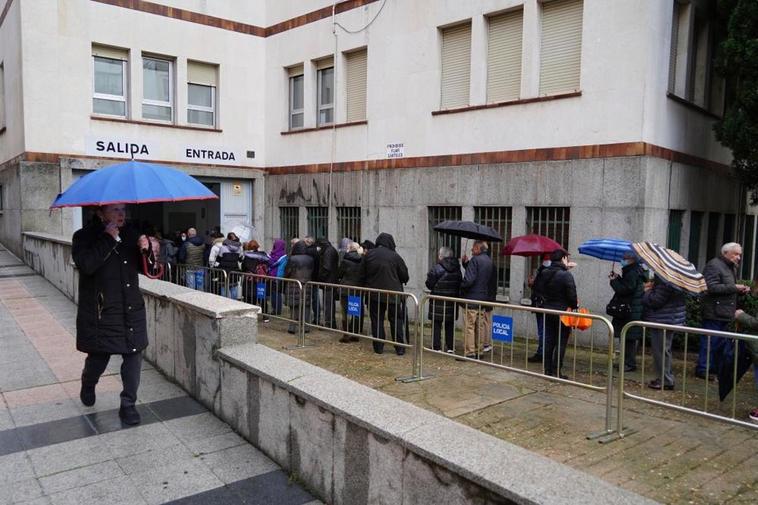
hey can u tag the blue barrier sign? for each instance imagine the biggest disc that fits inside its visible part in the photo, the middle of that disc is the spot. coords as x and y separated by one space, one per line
354 306
502 328
260 290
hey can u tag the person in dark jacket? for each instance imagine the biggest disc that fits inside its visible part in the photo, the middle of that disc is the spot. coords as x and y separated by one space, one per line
559 291
627 292
276 265
383 268
349 274
719 304
315 303
444 279
110 318
477 285
300 267
537 299
328 267
662 304
256 262
191 254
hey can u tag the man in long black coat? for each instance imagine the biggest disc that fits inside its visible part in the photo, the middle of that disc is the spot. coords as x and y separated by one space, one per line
383 268
111 314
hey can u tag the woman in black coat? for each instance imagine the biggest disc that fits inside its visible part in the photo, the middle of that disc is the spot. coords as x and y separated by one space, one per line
299 267
111 315
444 279
350 274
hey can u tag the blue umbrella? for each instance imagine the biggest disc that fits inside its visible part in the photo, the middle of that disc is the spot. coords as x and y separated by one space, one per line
133 182
611 249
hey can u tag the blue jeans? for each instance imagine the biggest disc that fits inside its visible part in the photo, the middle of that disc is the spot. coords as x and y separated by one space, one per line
540 332
717 343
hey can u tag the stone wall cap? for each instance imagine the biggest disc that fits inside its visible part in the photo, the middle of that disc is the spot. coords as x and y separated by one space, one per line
60 239
214 306
160 288
511 471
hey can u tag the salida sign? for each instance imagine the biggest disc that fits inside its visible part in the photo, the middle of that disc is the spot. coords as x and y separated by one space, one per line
148 150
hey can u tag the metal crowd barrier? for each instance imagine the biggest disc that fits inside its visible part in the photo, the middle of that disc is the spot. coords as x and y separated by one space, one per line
278 297
209 280
512 346
360 313
686 395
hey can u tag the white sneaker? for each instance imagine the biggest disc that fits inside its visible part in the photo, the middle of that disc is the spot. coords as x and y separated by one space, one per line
450 351
486 348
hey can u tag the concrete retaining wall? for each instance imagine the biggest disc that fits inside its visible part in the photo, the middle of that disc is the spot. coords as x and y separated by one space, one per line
50 256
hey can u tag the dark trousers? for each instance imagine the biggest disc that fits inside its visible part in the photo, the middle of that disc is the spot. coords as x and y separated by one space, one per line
95 364
631 343
449 325
396 316
717 344
315 305
556 340
329 307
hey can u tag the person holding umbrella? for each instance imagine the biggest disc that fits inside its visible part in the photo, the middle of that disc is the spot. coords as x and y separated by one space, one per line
626 305
559 291
110 318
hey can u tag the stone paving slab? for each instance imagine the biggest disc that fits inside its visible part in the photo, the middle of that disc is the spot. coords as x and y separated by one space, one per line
672 458
54 450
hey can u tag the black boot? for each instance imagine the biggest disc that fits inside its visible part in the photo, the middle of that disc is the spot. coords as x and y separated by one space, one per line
87 394
129 415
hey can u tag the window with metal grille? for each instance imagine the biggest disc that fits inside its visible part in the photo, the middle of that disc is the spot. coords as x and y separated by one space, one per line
437 239
349 223
674 241
318 222
714 247
498 218
729 230
696 227
289 223
552 222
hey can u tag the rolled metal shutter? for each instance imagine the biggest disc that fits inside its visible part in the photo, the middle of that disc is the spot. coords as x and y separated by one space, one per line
561 50
114 53
456 66
504 56
356 85
202 73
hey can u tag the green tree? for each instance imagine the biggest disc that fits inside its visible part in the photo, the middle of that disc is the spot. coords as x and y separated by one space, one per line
737 62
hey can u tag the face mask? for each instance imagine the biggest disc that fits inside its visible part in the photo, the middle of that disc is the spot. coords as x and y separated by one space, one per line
624 263
546 263
184 237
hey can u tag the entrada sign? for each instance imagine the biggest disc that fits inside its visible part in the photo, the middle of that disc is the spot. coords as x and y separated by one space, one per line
148 150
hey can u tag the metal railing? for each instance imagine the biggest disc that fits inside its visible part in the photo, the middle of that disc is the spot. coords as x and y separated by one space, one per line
672 375
361 313
209 280
279 298
511 347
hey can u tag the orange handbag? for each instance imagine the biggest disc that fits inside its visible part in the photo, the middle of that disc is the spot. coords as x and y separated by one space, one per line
580 323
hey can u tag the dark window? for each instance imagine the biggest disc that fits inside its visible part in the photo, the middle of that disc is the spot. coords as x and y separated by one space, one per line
318 222
289 222
674 240
436 239
696 227
714 245
498 218
729 231
349 223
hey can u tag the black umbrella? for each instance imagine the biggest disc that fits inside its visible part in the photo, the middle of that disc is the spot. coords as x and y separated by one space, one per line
727 367
468 229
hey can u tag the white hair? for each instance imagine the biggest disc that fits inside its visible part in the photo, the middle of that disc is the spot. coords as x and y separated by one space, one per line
729 246
353 246
445 252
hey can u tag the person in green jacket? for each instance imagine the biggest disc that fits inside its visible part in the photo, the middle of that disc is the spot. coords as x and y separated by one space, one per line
627 292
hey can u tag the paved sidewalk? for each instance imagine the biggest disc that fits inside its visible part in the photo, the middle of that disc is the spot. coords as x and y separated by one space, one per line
53 450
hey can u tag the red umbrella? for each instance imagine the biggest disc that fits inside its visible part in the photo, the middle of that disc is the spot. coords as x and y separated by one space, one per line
530 245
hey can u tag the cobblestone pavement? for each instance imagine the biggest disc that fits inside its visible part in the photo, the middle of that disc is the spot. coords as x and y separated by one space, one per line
53 450
673 457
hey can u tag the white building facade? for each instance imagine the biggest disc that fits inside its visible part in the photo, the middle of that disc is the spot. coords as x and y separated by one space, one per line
571 118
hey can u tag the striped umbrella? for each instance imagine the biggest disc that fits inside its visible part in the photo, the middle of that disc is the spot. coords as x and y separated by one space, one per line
671 268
